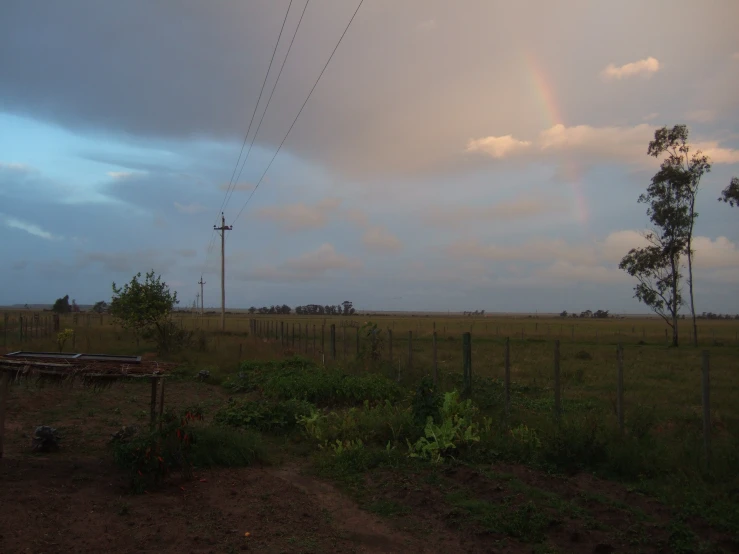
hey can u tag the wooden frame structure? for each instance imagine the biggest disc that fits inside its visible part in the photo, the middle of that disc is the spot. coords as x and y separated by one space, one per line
99 371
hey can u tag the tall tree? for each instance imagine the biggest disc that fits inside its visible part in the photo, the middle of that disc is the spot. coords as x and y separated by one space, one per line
730 194
683 170
61 306
657 266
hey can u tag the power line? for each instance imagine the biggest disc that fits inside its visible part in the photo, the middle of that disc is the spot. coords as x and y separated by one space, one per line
246 136
274 87
301 110
274 51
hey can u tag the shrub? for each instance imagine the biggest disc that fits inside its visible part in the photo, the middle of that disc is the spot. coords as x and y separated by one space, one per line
573 445
426 402
262 415
218 446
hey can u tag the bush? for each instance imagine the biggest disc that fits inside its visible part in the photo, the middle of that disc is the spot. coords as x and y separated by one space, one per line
218 446
426 402
573 445
262 415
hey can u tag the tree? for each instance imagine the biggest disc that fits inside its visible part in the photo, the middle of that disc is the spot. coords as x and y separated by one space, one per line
730 194
100 307
145 308
61 306
252 310
681 170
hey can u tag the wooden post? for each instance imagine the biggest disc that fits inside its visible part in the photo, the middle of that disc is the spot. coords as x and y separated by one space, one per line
300 336
706 407
390 344
314 338
293 335
467 364
343 339
4 388
557 399
153 411
507 377
333 341
620 387
436 364
357 342
240 350
410 349
323 338
161 401
20 328
573 332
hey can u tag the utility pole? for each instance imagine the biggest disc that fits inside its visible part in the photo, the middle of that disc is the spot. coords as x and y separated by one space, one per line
201 283
223 228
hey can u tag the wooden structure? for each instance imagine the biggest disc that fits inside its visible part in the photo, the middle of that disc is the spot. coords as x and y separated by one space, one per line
91 370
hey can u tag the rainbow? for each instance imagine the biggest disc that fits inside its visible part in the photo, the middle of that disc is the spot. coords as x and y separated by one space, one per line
571 170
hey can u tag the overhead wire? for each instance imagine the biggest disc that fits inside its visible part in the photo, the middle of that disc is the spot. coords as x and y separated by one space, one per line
246 136
269 100
300 111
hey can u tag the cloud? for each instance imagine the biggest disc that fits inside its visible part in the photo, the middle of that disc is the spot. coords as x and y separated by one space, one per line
298 217
651 116
497 147
129 261
120 174
190 209
507 210
241 187
14 166
613 143
30 228
647 67
566 272
735 56
310 266
379 239
701 116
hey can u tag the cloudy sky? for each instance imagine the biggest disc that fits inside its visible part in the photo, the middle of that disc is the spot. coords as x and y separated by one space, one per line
475 154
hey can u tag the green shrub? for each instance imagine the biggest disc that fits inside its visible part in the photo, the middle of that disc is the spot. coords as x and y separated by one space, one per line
263 415
218 446
574 444
426 402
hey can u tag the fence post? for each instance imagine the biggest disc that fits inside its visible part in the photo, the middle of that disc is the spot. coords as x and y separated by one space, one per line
390 344
314 339
333 341
557 399
410 349
20 327
300 336
293 345
507 377
343 339
436 365
706 407
620 387
467 364
357 342
153 413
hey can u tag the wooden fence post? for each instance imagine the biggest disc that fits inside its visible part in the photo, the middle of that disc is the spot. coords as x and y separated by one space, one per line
436 365
620 387
357 342
410 349
467 364
314 339
323 338
705 382
333 341
507 376
390 344
293 345
4 388
343 339
153 413
20 328
557 399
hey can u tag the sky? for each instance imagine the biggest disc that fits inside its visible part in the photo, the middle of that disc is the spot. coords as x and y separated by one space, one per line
465 155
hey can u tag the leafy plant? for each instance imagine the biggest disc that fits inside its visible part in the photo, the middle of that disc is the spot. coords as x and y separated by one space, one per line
263 415
373 346
426 402
63 337
45 439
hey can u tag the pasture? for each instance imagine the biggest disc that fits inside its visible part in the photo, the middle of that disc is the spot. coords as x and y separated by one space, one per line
324 462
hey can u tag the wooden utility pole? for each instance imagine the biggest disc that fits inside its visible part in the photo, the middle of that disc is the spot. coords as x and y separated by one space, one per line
202 303
223 228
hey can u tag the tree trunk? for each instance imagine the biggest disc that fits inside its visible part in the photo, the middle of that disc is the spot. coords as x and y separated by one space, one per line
690 271
675 277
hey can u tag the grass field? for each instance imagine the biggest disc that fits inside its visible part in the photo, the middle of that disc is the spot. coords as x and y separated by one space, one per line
531 480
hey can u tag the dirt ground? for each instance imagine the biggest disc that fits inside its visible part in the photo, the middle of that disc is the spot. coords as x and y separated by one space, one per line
76 500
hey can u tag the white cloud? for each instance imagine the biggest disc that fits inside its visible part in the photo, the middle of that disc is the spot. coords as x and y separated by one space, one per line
507 210
14 166
622 144
120 174
566 272
647 67
651 116
310 266
30 228
720 253
497 147
190 209
298 217
379 239
701 116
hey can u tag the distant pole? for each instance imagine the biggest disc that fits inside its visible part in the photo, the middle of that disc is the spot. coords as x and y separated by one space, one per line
223 228
202 304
